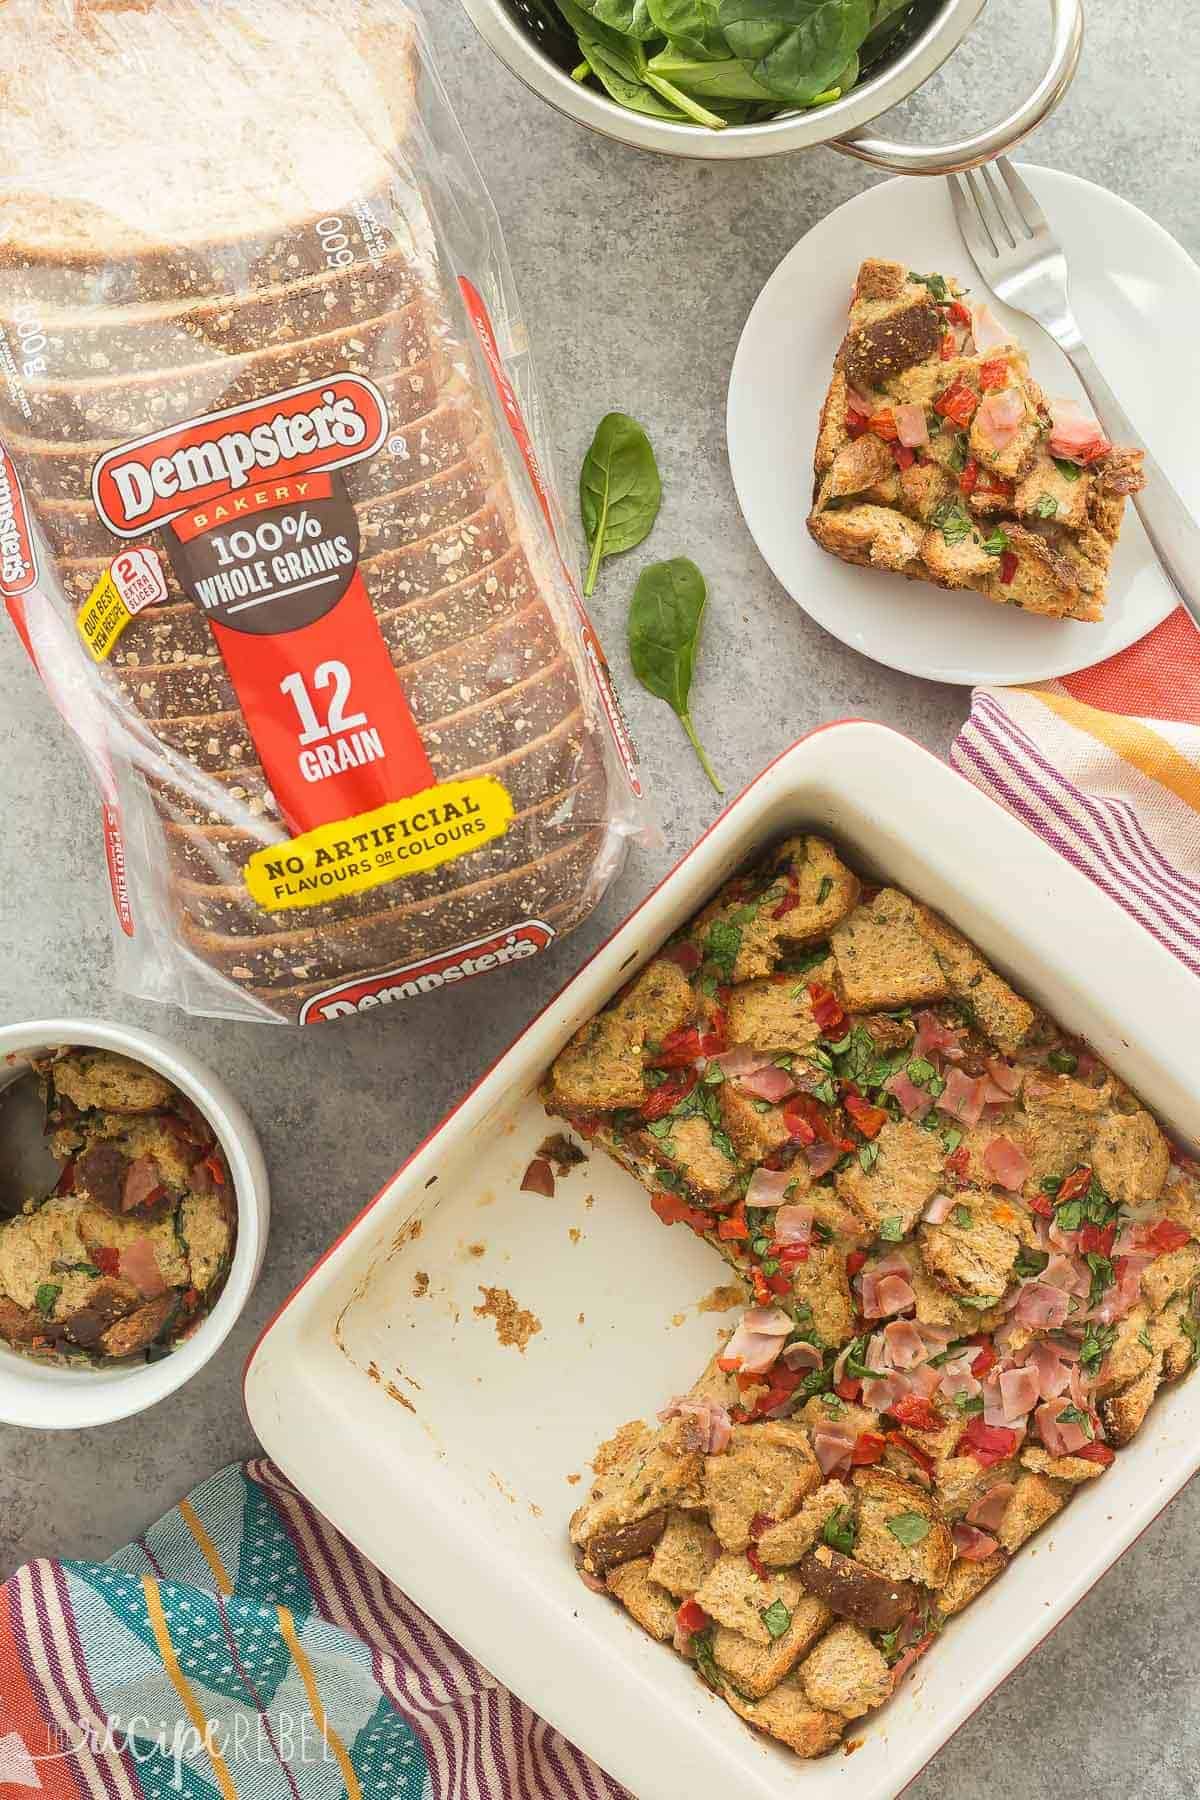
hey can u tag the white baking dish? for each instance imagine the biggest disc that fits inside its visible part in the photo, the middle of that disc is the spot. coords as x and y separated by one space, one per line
445 1457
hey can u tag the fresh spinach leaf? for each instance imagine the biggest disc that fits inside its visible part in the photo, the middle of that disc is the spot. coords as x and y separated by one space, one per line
620 490
691 27
665 617
796 48
46 1297
632 18
716 81
776 1618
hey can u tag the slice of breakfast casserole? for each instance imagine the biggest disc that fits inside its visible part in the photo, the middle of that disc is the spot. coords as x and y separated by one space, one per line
940 458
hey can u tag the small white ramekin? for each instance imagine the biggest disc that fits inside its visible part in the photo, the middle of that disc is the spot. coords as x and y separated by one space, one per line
44 1397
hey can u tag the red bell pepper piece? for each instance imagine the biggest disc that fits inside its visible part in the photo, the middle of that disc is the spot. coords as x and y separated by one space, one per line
1010 562
958 403
883 424
917 1412
1076 1183
686 956
869 1119
1165 1236
692 1618
659 1103
1097 1453
988 1444
993 375
869 1448
918 1455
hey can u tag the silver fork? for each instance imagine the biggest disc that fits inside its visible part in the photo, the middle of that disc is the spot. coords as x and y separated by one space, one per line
1021 260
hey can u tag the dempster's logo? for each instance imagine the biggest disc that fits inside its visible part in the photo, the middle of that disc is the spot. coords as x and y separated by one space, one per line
432 972
18 556
320 425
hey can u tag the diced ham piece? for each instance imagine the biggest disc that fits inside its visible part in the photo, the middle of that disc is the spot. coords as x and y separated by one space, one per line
768 1084
939 1209
1041 1305
986 329
741 1061
1066 1273
597 1586
755 1345
988 1511
1007 1164
711 1415
973 1545
538 1178
1020 1391
937 1338
803 1356
139 1264
1076 434
1000 417
915 1103
142 1183
906 1346
963 1098
1004 1075
832 1445
935 1038
925 1380
1060 1439
956 1378
821 1157
888 1294
1121 1299
1052 1372
859 402
768 1187
883 1394
1080 1391
793 1225
912 427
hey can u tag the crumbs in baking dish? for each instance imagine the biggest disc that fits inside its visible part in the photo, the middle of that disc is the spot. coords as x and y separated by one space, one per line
131 1249
968 1260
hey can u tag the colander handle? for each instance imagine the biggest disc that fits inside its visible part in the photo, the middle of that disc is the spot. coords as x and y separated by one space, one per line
944 159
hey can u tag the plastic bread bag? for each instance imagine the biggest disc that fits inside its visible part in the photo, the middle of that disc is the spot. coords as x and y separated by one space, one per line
273 528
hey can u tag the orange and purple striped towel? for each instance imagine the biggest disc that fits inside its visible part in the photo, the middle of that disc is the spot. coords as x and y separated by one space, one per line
1105 766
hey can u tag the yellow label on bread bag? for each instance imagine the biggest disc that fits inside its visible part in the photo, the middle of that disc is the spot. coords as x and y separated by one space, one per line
405 837
102 618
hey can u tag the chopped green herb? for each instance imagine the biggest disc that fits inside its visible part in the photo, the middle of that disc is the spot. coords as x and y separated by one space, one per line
1030 1263
706 1662
714 1075
957 458
760 1245
1097 1342
854 1365
1045 506
920 1072
722 944
889 1641
935 283
1190 1327
46 1296
1070 470
979 1302
909 1528
868 1156
997 542
948 1354
963 1217
660 1128
1064 1062
952 521
58 1267
891 1230
1072 1415
833 1405
1102 1276
1144 1339
966 1404
776 1618
952 1137
771 1265
840 1531
825 889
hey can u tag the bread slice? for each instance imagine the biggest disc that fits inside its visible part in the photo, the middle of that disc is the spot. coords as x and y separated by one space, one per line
998 497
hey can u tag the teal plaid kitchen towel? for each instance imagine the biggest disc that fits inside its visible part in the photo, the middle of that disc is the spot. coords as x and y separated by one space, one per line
243 1648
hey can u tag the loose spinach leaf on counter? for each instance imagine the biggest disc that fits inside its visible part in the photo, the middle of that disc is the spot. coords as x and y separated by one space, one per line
664 634
799 49
620 490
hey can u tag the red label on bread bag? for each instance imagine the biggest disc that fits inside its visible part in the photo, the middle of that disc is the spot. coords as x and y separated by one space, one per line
264 538
411 980
18 554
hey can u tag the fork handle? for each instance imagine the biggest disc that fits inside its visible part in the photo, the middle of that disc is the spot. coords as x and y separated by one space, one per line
1169 525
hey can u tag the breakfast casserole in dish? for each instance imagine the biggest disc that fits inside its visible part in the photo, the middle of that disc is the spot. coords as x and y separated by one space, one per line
940 458
969 1259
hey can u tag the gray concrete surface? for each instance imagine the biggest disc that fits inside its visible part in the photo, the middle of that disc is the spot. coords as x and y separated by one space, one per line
637 275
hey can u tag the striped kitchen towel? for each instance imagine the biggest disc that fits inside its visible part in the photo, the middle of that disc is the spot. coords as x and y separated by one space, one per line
243 1648
1105 765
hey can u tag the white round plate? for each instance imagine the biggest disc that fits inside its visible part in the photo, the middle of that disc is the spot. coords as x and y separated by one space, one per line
1137 299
